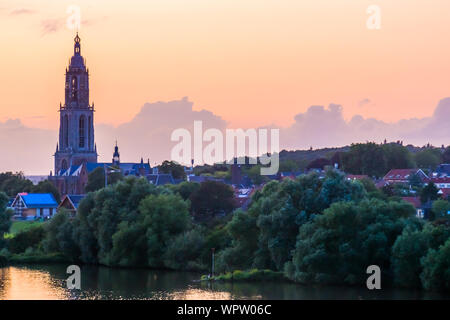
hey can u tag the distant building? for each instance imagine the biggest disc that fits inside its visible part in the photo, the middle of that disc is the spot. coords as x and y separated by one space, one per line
443 170
415 201
31 206
160 179
70 202
403 175
353 177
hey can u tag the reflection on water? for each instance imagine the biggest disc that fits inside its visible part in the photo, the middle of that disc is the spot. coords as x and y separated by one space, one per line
48 282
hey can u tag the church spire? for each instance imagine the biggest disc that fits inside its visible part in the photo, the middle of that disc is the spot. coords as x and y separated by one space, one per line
76 46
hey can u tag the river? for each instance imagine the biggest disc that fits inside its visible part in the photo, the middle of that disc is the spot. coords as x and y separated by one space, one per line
48 282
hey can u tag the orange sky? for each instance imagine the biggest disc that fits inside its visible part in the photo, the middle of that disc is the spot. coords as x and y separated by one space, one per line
252 62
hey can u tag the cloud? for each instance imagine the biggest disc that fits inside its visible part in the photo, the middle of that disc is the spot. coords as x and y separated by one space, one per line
147 135
21 11
26 149
51 25
325 127
364 102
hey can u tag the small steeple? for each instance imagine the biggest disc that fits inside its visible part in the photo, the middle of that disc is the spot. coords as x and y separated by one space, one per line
116 155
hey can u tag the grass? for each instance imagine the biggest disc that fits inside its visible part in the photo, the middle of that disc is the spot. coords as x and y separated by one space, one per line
249 275
19 226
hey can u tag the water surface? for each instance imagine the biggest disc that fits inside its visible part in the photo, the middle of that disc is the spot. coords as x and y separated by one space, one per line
48 282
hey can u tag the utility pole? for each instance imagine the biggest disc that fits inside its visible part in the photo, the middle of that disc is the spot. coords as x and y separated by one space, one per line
212 262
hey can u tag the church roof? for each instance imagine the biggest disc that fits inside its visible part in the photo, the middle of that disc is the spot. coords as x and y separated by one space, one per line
160 179
127 168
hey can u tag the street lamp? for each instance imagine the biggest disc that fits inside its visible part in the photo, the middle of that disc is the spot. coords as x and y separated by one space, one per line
109 169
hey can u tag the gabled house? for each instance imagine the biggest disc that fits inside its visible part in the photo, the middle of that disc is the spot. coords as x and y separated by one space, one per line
443 170
403 175
31 206
70 202
415 201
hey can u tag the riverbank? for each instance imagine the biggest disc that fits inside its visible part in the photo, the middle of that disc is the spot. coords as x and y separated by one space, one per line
24 258
249 275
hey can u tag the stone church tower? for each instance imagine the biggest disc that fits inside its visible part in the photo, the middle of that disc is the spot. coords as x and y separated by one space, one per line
76 117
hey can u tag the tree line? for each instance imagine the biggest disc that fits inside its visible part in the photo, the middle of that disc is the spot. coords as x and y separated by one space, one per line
314 230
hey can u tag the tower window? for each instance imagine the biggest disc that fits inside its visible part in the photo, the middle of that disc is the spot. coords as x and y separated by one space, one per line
74 88
81 131
66 131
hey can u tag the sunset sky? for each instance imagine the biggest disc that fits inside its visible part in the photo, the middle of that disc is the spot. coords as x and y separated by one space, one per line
250 62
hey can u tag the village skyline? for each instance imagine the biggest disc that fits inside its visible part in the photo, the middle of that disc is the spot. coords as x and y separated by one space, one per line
155 68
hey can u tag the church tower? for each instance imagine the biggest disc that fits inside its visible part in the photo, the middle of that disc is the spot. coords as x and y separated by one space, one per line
76 120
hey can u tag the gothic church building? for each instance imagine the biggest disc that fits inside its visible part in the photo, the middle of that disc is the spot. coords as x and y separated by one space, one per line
76 152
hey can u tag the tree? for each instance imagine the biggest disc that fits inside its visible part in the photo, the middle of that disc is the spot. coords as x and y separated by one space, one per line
96 179
428 158
100 213
288 165
5 216
185 189
173 168
429 193
446 155
415 181
441 209
211 199
30 238
275 215
398 156
47 187
410 248
407 251
365 158
59 235
337 247
435 265
13 183
164 218
184 251
318 163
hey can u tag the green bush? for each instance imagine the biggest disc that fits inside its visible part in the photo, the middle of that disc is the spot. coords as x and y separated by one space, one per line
26 239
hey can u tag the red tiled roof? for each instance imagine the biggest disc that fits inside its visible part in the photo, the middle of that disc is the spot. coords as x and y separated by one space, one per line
415 201
440 180
445 192
399 174
381 184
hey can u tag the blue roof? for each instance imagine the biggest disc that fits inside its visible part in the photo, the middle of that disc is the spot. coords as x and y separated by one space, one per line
39 200
76 198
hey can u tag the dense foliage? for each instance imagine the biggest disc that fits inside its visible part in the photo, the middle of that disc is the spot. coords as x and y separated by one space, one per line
313 229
